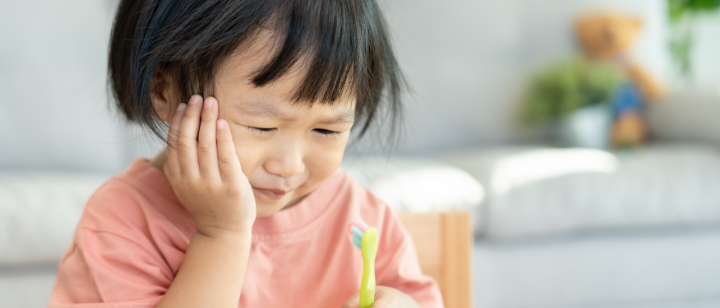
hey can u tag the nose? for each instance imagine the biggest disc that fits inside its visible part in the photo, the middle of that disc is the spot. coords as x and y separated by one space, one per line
285 159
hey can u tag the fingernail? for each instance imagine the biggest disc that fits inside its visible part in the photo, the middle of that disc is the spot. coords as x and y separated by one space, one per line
208 103
181 107
195 99
221 124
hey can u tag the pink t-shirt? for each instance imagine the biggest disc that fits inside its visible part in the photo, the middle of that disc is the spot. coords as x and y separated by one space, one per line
133 234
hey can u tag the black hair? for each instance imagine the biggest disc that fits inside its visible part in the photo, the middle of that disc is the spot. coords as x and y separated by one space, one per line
345 41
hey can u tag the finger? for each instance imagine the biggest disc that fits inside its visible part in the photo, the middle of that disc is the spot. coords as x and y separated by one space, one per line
385 302
207 143
171 164
353 301
230 169
386 297
187 138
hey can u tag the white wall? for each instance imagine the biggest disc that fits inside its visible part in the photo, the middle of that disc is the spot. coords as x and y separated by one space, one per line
53 107
706 53
465 59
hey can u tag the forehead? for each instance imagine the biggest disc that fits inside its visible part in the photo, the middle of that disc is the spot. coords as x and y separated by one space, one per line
234 84
268 108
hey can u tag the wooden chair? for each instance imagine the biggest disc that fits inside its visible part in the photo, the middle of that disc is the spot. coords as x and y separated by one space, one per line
443 241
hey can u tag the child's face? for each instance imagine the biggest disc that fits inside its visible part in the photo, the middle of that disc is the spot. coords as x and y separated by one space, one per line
286 150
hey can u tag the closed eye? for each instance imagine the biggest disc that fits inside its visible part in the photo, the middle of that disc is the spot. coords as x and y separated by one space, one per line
326 132
261 130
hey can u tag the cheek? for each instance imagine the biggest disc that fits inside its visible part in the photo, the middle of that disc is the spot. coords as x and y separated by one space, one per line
323 161
249 151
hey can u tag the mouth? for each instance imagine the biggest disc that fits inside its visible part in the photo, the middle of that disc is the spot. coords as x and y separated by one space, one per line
273 194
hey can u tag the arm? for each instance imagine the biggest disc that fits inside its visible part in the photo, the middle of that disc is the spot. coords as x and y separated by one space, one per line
212 272
207 178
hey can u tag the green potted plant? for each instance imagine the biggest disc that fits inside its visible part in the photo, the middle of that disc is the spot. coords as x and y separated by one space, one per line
682 15
572 99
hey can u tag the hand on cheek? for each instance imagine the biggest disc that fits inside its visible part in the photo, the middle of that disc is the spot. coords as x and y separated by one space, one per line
385 297
204 171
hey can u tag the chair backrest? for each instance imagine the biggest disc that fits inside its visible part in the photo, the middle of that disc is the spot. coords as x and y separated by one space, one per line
443 241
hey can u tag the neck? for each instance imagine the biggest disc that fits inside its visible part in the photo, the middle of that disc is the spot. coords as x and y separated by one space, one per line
159 160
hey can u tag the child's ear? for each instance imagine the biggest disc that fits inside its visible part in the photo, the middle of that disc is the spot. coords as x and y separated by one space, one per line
163 94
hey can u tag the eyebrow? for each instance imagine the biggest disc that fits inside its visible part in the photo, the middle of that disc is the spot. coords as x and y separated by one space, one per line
346 117
260 109
263 110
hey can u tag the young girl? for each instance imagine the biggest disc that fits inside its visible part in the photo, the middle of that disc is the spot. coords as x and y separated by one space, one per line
246 206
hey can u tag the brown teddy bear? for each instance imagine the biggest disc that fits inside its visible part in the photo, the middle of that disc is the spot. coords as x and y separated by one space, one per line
608 36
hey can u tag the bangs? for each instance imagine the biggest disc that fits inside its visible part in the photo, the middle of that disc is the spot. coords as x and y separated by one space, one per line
335 46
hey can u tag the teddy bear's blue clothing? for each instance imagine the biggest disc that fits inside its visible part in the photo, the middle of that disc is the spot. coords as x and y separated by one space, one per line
627 98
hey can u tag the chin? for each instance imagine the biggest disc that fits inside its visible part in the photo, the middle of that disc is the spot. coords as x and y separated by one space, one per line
262 214
265 209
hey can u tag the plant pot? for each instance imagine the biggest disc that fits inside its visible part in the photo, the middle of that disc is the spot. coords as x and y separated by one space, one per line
588 127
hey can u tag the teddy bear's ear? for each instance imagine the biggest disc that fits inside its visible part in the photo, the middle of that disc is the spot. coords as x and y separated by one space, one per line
637 22
581 25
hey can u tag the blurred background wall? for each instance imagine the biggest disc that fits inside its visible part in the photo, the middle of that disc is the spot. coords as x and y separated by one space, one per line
466 62
53 110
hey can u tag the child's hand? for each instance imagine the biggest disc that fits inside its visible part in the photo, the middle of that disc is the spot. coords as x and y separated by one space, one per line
205 171
385 297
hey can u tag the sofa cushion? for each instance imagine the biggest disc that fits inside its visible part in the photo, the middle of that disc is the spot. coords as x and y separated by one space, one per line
539 191
39 211
416 184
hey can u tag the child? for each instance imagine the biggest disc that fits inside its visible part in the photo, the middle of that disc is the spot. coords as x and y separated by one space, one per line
246 206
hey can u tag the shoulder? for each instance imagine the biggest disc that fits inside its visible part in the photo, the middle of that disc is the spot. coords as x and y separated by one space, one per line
126 216
360 202
357 197
132 202
115 218
117 252
114 201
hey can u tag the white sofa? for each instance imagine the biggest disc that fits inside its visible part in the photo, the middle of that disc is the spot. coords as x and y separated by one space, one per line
586 228
589 228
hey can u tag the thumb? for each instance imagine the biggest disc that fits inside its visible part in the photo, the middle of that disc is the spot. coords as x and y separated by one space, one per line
353 301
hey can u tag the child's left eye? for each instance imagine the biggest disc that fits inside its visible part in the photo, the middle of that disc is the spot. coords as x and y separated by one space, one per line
326 132
262 130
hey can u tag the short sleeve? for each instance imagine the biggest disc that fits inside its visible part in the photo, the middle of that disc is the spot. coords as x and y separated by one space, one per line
398 267
103 269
